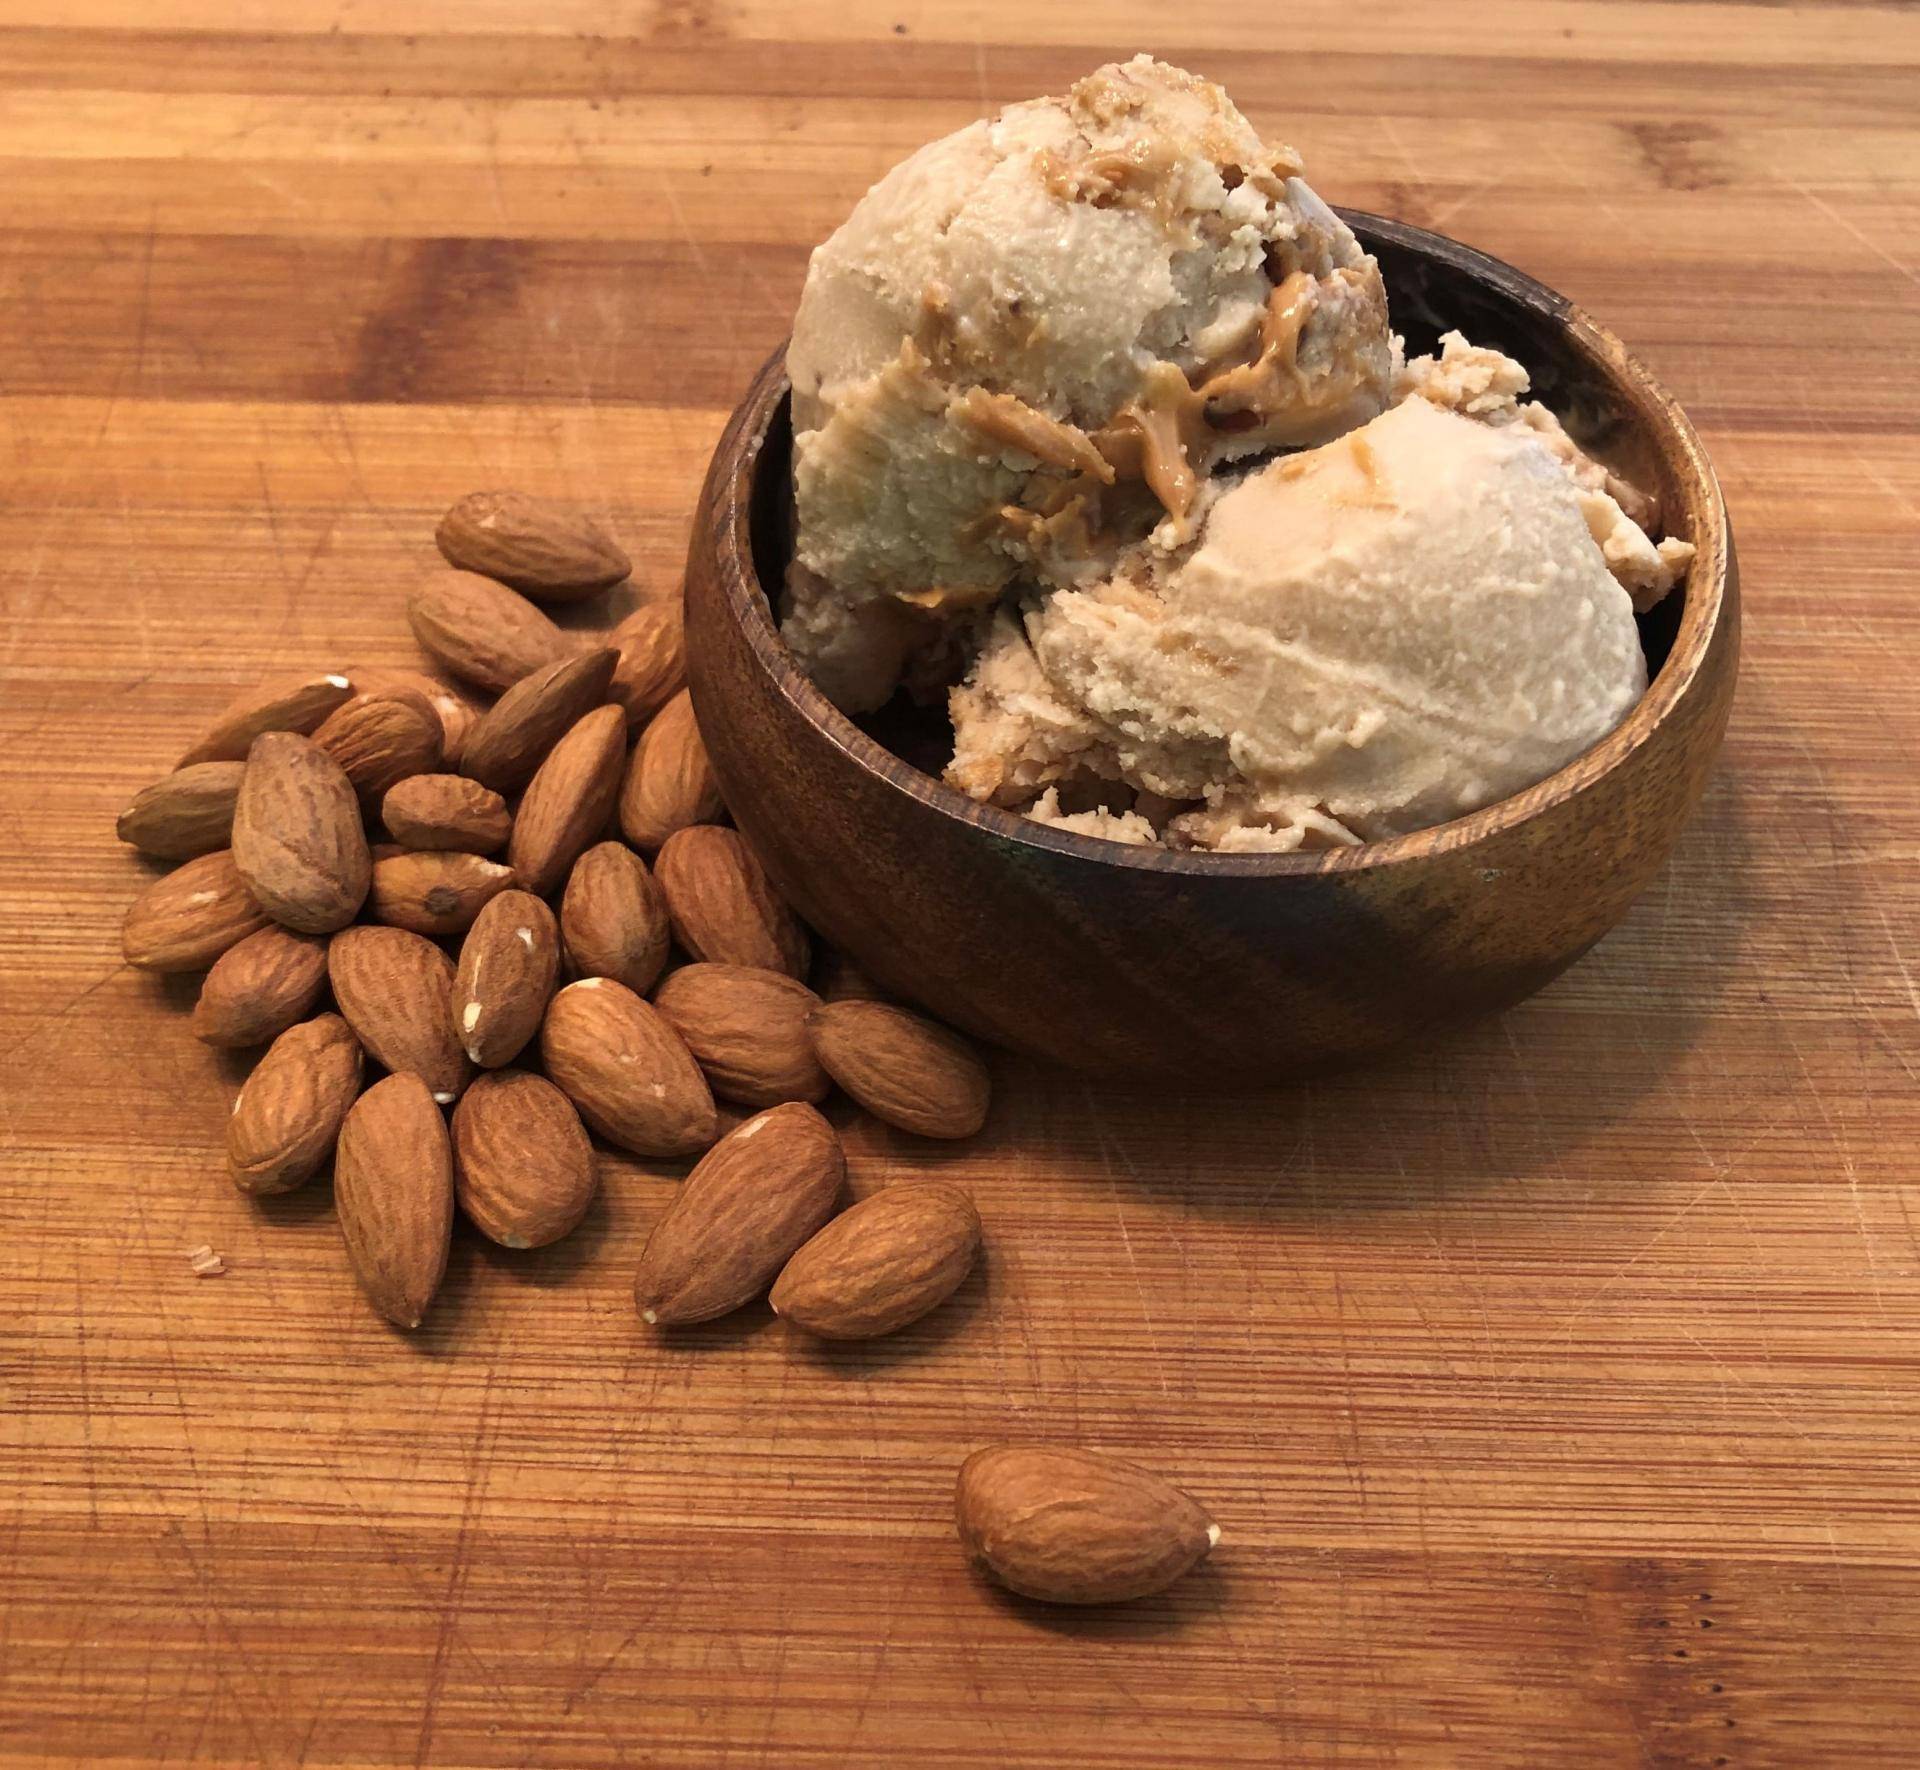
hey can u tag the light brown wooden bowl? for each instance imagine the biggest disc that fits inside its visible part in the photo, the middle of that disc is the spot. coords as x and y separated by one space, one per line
1205 967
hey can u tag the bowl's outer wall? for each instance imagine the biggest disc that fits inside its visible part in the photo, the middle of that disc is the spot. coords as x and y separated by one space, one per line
1228 976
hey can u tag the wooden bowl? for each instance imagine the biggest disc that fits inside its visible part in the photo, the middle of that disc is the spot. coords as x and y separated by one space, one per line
1204 967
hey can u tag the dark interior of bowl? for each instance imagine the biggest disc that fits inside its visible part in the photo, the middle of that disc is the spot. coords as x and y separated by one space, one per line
1433 286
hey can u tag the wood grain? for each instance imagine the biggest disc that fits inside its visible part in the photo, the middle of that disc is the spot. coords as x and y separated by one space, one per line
1556 1387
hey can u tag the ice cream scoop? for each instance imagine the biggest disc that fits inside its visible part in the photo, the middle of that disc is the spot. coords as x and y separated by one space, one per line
1033 342
1362 639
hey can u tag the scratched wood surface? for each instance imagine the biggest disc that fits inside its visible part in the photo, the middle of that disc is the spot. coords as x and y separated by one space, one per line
1558 1388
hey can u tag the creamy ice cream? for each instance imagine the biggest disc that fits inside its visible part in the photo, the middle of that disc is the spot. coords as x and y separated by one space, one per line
1365 638
1031 343
1034 377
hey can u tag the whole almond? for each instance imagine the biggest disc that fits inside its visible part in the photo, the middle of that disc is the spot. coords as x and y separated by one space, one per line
454 707
747 1029
291 1107
297 836
445 812
481 632
522 1165
395 990
750 1203
185 813
434 892
515 734
721 904
670 783
540 548
902 1067
881 1263
629 1073
186 919
281 703
1075 1527
568 801
382 738
258 989
613 920
653 659
507 967
393 1191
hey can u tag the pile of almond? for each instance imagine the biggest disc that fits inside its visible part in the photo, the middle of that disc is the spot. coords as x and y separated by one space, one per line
533 922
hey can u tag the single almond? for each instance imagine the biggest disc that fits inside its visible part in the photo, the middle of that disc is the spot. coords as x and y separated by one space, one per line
653 659
291 1107
393 1192
186 919
456 709
747 1029
630 1074
281 703
721 904
185 813
297 836
259 988
481 632
505 979
445 812
905 1069
515 734
380 739
1075 1527
540 548
745 1210
613 920
881 1263
568 801
434 892
396 990
670 783
522 1165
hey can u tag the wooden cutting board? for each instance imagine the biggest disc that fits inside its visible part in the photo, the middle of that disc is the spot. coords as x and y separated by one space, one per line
1556 1387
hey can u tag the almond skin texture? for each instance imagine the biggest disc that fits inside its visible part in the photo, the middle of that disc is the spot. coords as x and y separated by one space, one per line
613 920
539 548
508 963
383 738
903 1068
186 919
722 907
188 812
522 1165
393 1191
629 1073
747 1029
568 801
1075 1527
881 1263
281 703
445 812
395 990
297 836
456 712
747 1207
290 1111
258 989
653 660
481 632
670 782
515 734
435 893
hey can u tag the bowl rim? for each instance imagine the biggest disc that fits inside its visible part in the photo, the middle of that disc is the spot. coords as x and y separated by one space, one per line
734 473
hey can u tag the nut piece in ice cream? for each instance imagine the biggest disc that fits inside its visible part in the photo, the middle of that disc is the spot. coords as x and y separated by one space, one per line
1035 339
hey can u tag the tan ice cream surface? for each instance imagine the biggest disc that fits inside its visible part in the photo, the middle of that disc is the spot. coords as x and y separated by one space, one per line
1366 638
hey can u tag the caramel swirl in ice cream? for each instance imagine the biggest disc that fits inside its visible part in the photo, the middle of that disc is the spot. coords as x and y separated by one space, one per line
1009 422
